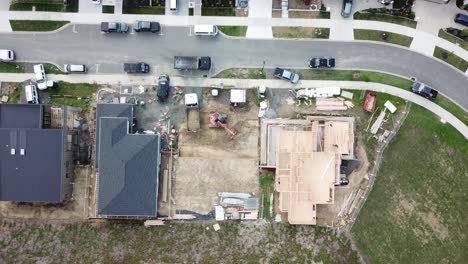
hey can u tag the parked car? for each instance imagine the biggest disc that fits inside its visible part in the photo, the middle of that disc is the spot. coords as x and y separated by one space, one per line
146 26
163 87
424 90
347 8
139 67
30 92
109 27
96 2
287 75
7 55
39 73
322 63
461 19
74 68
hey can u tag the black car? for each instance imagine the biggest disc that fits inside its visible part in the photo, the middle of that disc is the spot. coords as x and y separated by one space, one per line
424 90
322 63
139 67
163 87
146 26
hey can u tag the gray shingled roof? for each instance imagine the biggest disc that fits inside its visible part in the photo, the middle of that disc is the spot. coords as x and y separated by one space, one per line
111 110
20 116
128 169
35 176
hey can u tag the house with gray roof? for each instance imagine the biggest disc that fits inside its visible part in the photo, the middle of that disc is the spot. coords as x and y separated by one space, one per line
128 165
35 160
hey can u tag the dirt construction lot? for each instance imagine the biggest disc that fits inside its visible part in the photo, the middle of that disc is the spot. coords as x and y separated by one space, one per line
210 161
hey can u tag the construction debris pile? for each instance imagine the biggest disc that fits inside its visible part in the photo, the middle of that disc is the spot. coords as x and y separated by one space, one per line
325 98
233 206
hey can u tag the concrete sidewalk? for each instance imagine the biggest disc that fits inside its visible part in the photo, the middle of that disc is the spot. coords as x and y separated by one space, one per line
339 29
251 83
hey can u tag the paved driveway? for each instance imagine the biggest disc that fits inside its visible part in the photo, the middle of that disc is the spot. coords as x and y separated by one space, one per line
182 8
260 8
434 16
105 53
86 6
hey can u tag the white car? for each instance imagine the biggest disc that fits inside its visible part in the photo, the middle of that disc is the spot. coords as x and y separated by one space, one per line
31 94
7 55
96 2
263 109
39 73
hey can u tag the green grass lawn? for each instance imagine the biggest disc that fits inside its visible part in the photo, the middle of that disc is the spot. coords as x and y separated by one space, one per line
452 59
236 31
11 67
266 184
218 11
75 94
416 212
44 6
52 69
301 32
154 10
376 35
385 18
108 9
443 34
36 25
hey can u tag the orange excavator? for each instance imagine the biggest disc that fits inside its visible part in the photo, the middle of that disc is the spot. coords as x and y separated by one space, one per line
219 120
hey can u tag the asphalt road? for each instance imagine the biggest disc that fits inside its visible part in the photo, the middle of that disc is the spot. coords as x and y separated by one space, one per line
105 53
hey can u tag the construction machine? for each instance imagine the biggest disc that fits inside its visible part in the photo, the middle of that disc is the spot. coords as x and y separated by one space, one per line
219 120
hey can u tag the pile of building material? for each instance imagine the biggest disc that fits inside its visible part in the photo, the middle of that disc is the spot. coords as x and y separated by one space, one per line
318 92
236 206
332 104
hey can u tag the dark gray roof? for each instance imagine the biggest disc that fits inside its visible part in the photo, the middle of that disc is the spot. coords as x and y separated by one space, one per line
111 110
20 116
35 176
128 170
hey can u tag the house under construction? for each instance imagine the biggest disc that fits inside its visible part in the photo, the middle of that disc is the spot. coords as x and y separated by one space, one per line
307 157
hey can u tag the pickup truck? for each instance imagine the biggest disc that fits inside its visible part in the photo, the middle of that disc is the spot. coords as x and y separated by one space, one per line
287 75
192 112
424 90
192 63
139 67
322 63
118 27
146 26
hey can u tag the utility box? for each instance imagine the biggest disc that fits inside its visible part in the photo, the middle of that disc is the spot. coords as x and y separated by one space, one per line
238 96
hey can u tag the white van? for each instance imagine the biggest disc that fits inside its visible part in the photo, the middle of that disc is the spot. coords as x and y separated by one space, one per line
39 73
205 30
74 68
173 5
31 94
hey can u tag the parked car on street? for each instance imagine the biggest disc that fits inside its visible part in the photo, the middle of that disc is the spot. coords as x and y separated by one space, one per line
74 68
192 63
147 26
7 55
322 63
424 90
139 67
39 74
347 8
109 27
287 75
163 87
461 19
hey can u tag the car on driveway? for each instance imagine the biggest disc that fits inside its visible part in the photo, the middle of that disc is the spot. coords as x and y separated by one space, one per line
7 55
286 75
163 87
347 8
424 90
146 26
322 63
117 27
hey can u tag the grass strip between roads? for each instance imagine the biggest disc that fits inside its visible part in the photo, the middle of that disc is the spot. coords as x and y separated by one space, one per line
36 25
149 10
376 35
385 18
301 32
447 36
350 75
11 67
235 31
451 58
